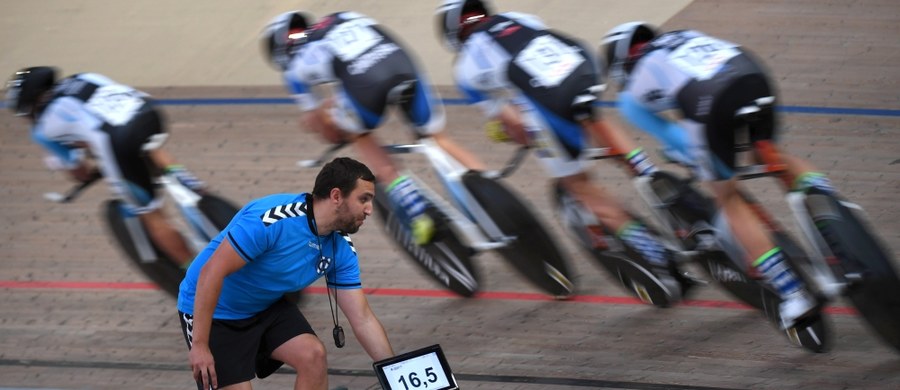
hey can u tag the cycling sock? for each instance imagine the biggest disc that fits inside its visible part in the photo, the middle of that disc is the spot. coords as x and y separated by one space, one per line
640 239
775 270
816 180
640 163
185 177
404 193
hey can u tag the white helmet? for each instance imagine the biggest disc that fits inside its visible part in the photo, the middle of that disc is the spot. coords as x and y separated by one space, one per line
617 44
282 35
450 19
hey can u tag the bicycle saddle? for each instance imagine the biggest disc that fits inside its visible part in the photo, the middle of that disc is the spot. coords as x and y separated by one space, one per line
583 102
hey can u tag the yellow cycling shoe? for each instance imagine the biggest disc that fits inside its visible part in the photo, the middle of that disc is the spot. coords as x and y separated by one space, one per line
422 228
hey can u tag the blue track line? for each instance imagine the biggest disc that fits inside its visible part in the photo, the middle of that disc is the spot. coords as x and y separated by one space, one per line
607 104
460 102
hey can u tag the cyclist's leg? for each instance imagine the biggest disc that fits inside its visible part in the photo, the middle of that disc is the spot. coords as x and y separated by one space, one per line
719 168
359 111
801 174
806 175
166 237
613 137
143 201
558 148
426 115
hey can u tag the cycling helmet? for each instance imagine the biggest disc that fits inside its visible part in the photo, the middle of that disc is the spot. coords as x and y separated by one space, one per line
621 46
282 35
456 18
26 86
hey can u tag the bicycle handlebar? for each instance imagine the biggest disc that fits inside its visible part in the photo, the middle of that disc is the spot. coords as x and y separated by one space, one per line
324 156
73 192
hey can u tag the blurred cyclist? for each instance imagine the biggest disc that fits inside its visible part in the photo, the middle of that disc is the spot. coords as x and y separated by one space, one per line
90 126
541 85
705 81
369 69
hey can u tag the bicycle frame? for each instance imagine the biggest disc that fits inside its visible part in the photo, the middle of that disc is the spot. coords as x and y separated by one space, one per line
466 216
819 271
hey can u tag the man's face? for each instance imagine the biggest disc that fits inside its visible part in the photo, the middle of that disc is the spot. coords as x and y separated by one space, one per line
355 207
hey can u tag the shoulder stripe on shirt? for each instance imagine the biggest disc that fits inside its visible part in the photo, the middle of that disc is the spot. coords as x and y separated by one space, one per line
347 238
278 213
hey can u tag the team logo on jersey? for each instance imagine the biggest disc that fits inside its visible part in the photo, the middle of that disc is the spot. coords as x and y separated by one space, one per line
372 57
323 264
278 213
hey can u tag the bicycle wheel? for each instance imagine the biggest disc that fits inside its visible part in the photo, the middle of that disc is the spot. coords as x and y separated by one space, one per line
162 271
862 262
218 210
445 259
811 333
533 252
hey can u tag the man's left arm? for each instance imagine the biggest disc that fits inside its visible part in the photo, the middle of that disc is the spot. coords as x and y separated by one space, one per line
366 326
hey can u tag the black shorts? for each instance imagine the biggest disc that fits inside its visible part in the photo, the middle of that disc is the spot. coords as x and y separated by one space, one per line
723 125
127 143
243 348
714 102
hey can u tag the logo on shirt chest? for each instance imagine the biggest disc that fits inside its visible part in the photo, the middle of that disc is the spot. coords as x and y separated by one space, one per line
323 264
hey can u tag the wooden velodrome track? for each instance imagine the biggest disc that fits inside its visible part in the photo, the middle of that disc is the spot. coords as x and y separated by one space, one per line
75 315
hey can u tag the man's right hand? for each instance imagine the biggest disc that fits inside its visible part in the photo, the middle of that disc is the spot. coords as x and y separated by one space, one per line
203 366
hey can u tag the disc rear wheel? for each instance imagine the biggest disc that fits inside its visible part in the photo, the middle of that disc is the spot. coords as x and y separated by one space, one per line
868 270
533 251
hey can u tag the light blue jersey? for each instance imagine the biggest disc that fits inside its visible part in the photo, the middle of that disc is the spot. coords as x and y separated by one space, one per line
274 235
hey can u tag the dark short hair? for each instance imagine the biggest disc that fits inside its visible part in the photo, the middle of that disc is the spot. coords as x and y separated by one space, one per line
341 173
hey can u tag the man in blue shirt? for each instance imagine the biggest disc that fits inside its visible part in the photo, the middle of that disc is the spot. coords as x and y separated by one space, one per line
235 318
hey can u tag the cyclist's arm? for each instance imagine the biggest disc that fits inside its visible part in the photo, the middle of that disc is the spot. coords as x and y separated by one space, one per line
223 262
667 132
65 132
366 326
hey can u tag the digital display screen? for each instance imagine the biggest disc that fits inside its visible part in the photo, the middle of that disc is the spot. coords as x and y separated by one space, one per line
425 368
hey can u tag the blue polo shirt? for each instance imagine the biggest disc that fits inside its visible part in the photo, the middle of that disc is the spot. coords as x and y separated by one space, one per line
275 236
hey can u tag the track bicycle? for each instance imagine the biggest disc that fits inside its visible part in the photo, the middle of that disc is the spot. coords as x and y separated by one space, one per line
846 258
203 216
482 214
689 233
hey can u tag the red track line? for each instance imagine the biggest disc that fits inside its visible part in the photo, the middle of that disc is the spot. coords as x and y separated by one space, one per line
400 292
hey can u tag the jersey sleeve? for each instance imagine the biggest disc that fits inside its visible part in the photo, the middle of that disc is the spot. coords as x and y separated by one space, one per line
248 236
347 264
312 65
480 73
61 124
65 155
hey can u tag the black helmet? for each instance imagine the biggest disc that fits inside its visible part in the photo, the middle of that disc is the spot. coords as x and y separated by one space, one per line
282 35
454 16
617 46
26 86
